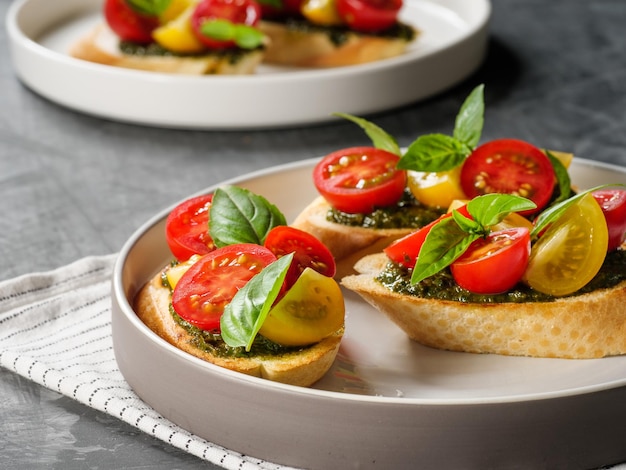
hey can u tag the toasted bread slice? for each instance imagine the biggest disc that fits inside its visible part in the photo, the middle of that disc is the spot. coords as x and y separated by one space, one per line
590 325
102 46
296 45
303 367
344 240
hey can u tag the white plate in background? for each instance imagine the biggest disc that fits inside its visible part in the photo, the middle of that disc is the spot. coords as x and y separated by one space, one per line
452 44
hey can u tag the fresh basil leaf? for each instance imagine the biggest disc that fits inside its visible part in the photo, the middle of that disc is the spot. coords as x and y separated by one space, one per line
469 122
445 242
468 225
237 215
434 153
149 7
379 137
246 37
555 211
490 209
220 30
562 178
244 315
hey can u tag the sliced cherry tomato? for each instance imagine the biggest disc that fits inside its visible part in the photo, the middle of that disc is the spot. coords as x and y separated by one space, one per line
247 12
512 167
128 24
404 251
369 16
571 251
360 179
310 311
308 251
187 228
436 189
493 264
211 283
613 204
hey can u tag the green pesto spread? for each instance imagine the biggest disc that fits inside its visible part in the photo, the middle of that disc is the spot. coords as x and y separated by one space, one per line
442 286
408 213
211 342
154 49
338 35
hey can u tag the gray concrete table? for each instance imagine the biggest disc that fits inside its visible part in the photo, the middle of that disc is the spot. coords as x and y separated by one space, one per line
73 185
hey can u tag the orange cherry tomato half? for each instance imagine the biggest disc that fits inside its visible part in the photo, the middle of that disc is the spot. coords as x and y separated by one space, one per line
493 264
246 12
211 282
308 251
613 205
509 166
359 179
187 228
369 16
128 24
404 251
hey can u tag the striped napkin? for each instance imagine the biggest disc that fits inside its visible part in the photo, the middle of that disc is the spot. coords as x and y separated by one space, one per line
55 329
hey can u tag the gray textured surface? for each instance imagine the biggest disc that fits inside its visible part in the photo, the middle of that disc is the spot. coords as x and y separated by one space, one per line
74 185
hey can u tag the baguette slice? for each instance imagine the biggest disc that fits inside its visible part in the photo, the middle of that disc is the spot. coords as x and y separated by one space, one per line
294 45
591 325
301 368
343 240
101 46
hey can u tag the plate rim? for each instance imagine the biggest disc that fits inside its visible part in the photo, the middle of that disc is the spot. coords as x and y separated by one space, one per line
118 291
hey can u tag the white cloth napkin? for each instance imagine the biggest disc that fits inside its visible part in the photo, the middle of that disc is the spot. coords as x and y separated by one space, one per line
55 329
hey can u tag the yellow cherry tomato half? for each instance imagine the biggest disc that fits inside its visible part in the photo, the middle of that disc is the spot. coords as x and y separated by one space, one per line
177 35
436 189
175 9
174 273
571 251
310 311
321 12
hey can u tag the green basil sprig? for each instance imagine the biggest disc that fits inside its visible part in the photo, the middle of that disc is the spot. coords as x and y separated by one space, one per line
244 315
149 7
563 180
246 37
237 215
440 152
555 211
452 236
380 138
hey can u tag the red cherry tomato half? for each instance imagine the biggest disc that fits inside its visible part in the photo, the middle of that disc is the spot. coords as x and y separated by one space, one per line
308 251
359 179
509 166
247 12
404 251
369 16
613 204
211 282
494 264
128 24
187 228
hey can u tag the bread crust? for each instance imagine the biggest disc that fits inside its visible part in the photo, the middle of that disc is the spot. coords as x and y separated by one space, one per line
344 240
591 325
294 47
302 368
101 46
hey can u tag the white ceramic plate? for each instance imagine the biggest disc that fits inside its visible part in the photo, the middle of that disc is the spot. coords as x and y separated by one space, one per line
387 402
452 45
